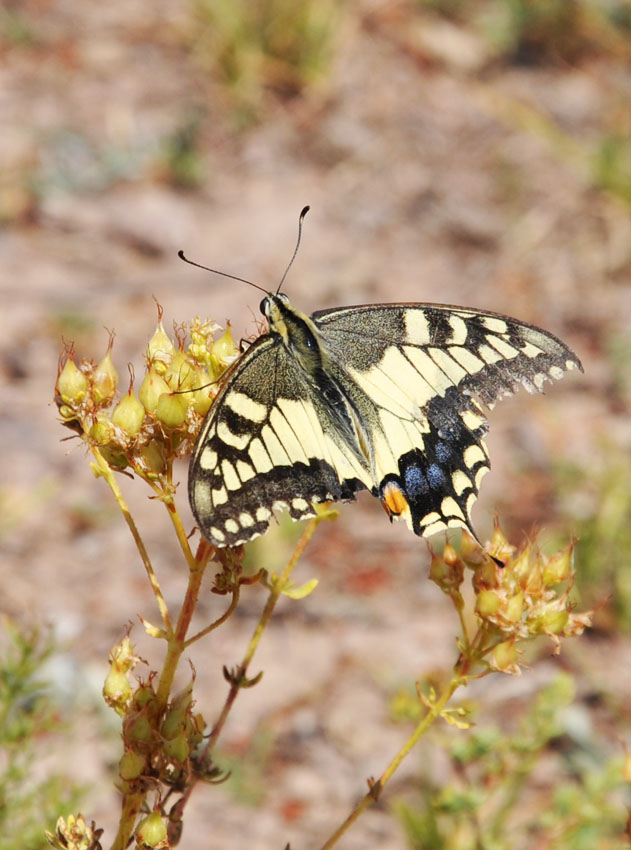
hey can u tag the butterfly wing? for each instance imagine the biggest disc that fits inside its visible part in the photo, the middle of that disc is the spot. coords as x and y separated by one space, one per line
416 373
270 442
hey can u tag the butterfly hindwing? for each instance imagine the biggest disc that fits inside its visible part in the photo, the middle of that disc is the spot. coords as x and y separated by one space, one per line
424 368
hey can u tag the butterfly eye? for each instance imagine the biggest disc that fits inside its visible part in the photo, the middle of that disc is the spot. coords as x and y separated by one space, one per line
263 306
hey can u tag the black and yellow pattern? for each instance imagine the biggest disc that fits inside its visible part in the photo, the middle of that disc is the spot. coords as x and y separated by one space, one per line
383 397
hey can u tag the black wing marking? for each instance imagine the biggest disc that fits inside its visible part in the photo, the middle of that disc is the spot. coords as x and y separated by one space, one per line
270 442
415 373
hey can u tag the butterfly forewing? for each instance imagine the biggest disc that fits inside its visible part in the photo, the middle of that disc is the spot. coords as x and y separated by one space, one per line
269 443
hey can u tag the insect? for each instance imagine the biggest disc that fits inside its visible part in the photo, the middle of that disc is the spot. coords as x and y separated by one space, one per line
383 397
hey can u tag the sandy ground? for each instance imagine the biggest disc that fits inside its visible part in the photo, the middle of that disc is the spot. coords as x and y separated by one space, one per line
427 183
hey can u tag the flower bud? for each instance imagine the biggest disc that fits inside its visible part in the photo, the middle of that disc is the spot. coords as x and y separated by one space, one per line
102 431
144 694
152 387
129 414
224 348
177 749
180 375
131 765
203 398
151 832
117 690
137 730
172 409
160 350
150 460
104 379
73 832
552 622
499 546
72 384
175 716
122 654
514 607
505 657
487 603
558 568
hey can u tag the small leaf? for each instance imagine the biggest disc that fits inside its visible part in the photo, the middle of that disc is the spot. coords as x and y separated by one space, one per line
302 591
153 631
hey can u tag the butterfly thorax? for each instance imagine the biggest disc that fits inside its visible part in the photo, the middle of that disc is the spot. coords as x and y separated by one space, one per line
297 332
305 344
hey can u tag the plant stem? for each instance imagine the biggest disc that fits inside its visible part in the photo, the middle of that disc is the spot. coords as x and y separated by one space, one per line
107 473
132 804
377 786
279 583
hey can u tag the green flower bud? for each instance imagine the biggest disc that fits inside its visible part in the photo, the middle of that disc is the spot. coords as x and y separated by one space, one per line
552 622
177 749
175 717
122 654
129 414
117 690
131 765
506 656
152 387
224 348
171 409
151 831
195 729
160 350
137 729
72 384
150 460
102 431
202 399
487 603
144 695
558 568
104 379
116 459
181 374
514 607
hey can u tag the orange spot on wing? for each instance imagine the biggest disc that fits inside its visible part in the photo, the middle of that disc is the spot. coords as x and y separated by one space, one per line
393 500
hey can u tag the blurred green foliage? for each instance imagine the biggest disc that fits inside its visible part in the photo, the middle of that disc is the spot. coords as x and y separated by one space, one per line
29 801
602 559
254 46
549 783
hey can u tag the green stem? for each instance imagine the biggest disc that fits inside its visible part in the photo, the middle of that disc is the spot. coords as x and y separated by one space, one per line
107 473
132 804
278 585
377 786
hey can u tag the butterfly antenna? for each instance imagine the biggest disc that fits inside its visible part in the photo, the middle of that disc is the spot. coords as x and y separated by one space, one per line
303 213
182 256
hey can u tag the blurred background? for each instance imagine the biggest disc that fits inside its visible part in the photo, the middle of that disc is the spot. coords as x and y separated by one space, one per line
474 153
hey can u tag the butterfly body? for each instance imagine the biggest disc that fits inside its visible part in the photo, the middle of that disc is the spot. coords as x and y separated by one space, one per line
383 397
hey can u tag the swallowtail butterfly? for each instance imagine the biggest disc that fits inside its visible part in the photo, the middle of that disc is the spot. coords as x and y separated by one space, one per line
383 397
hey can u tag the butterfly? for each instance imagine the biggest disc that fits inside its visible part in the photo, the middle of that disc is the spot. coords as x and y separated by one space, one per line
384 397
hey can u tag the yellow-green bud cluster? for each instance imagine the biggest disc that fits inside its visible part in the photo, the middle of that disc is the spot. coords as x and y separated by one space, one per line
528 596
144 432
160 745
73 833
117 690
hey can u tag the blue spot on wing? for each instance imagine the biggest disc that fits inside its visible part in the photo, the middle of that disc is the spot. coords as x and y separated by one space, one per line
415 482
443 452
435 476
